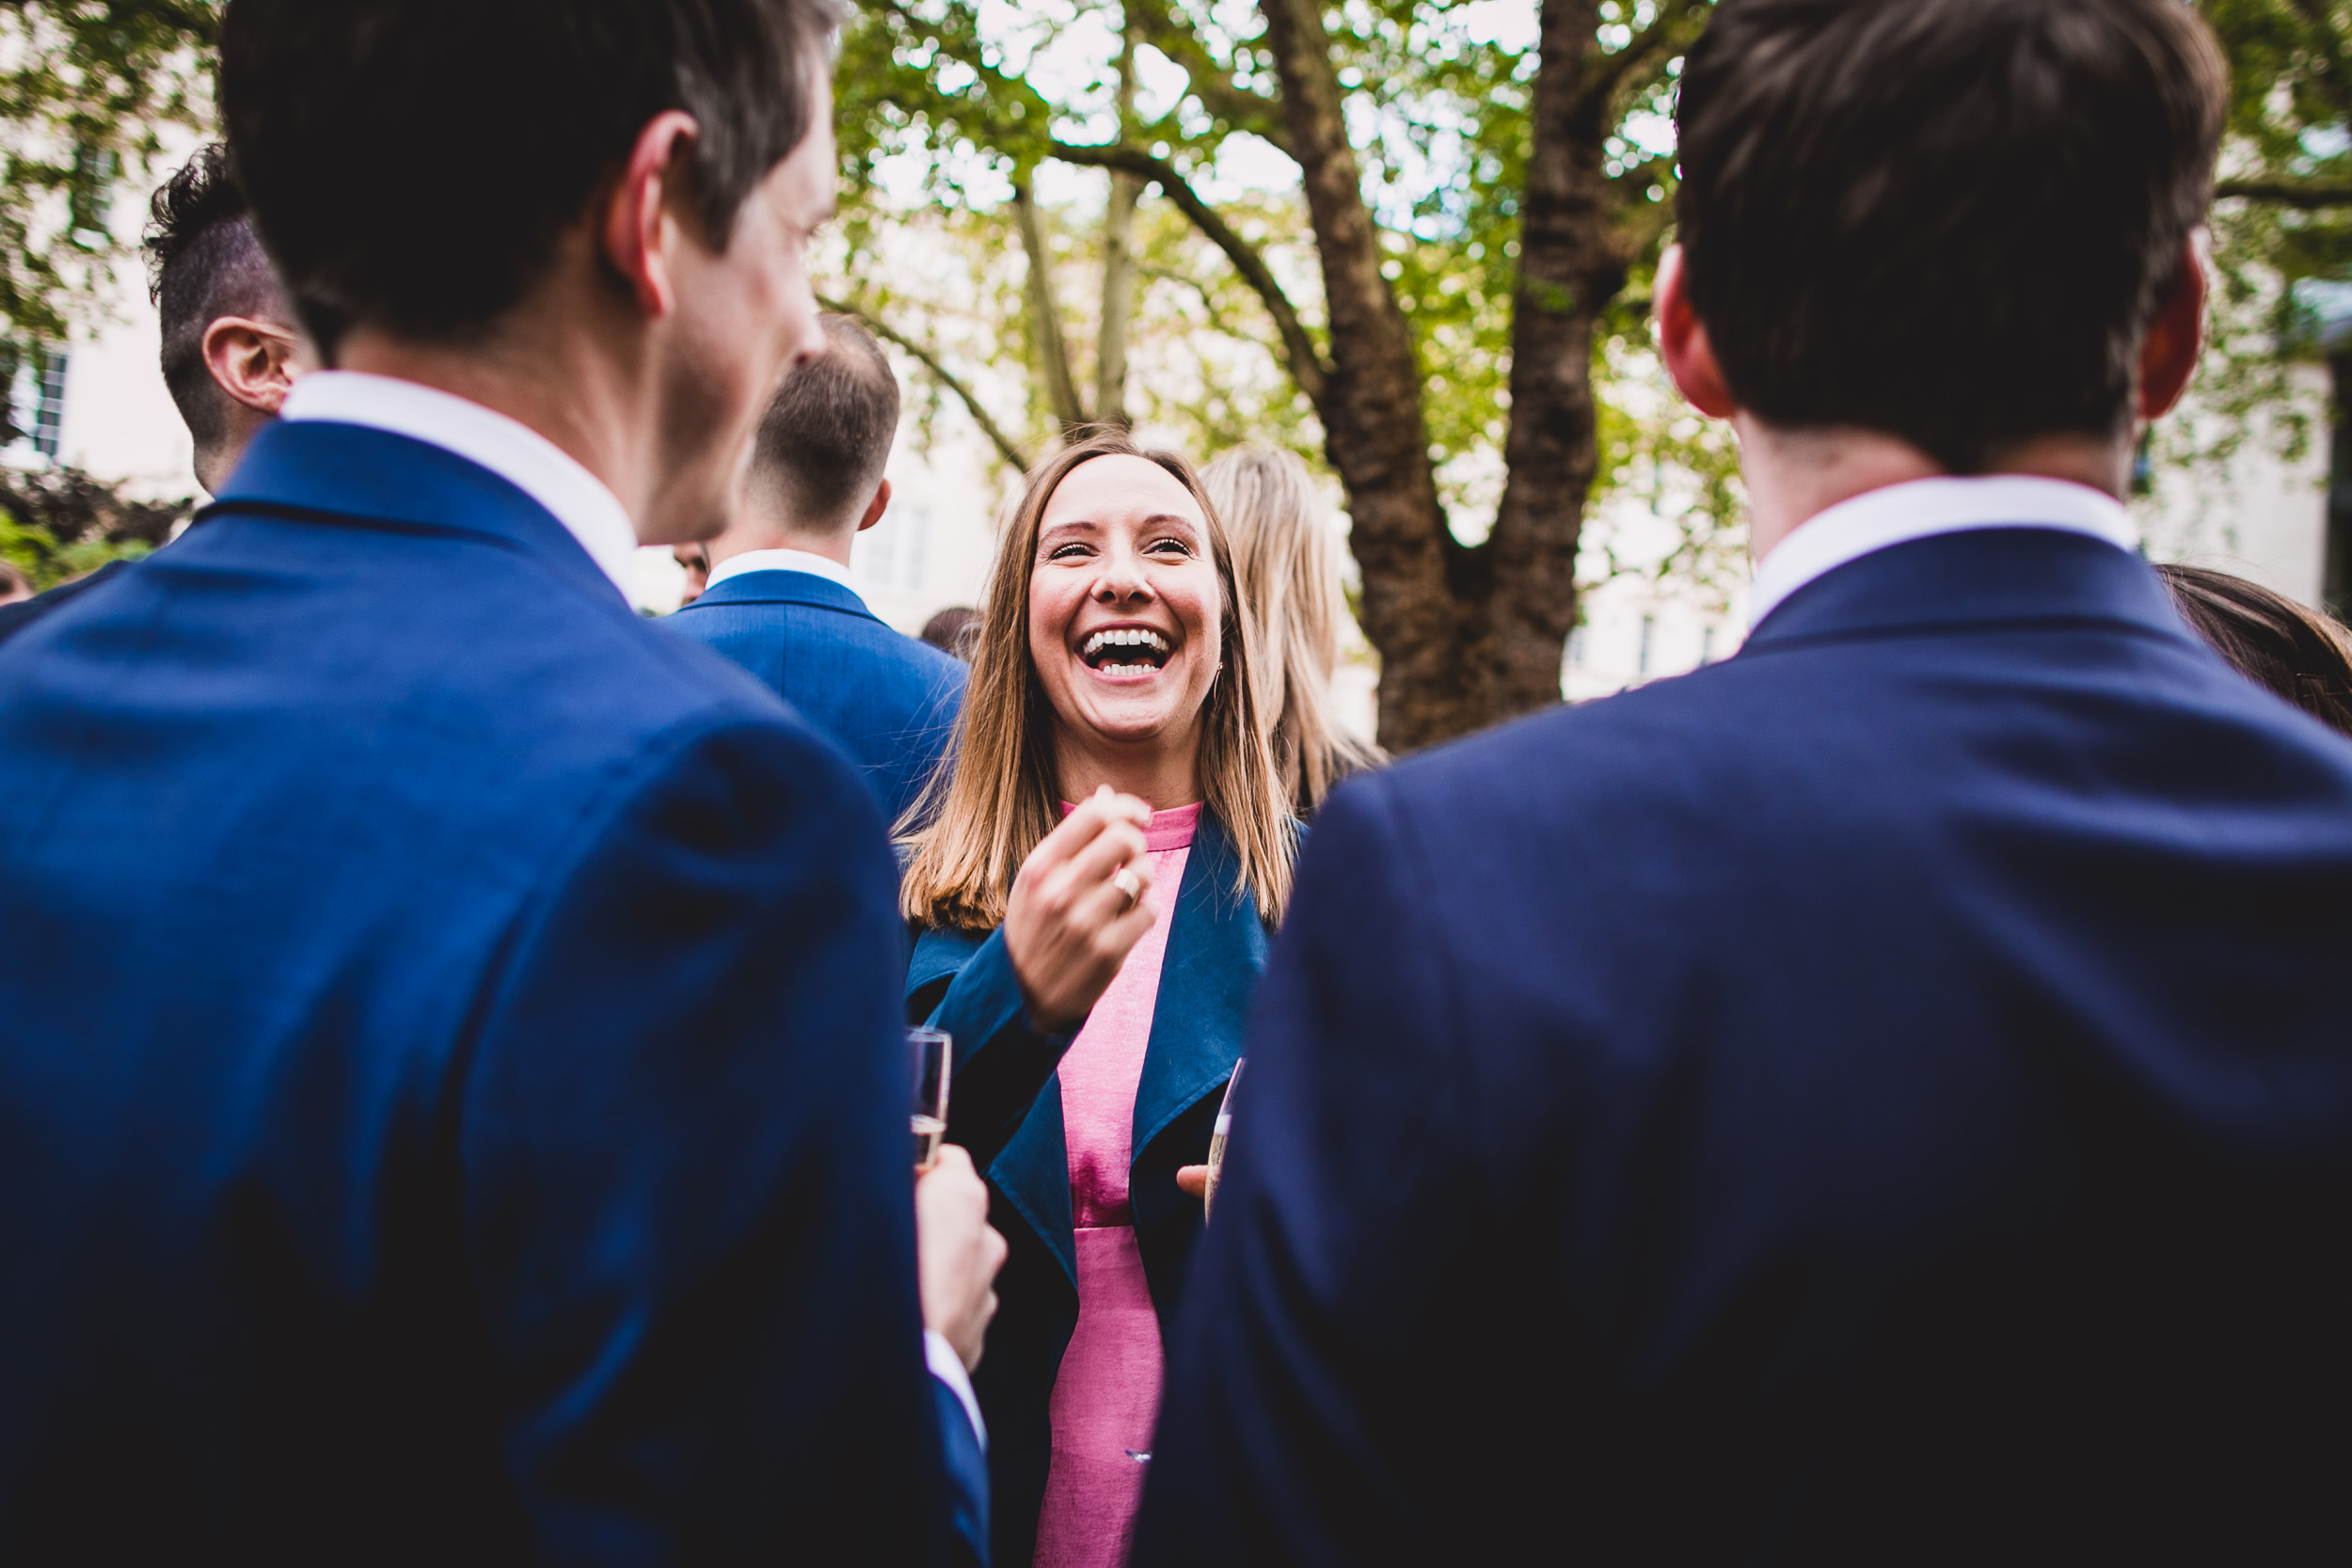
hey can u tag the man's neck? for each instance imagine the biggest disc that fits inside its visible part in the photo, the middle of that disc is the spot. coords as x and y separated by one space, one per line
1794 475
738 541
574 385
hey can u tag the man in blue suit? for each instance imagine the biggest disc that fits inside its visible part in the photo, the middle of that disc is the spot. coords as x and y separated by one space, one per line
779 602
1886 1098
451 1099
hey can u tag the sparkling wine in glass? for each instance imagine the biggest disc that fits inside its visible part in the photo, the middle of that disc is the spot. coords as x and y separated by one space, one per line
928 1058
1217 1141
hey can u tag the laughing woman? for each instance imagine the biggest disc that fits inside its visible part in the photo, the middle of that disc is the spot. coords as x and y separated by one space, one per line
1094 963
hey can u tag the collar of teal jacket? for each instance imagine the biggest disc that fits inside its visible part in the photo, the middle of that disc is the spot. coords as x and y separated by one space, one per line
1216 949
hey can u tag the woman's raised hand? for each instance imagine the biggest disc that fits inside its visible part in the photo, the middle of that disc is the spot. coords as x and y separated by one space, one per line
1073 916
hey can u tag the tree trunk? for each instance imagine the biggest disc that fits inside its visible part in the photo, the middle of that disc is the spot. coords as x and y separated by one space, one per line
1468 636
1119 262
1572 262
1061 388
1119 301
1373 429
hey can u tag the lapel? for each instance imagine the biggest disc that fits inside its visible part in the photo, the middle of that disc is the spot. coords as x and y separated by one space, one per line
320 469
939 951
1216 948
782 587
1032 1170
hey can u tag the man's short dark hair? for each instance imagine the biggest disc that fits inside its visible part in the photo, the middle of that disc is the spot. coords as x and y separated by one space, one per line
825 439
411 163
1949 220
204 262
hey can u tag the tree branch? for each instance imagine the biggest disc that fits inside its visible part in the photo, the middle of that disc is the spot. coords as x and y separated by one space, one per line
1306 366
1676 27
1053 351
2331 50
929 361
1161 28
2286 193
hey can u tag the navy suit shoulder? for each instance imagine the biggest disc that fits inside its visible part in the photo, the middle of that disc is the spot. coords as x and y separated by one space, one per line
435 1001
890 701
1881 1084
16 617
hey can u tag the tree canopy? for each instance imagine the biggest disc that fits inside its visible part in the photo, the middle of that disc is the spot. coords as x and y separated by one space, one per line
1414 237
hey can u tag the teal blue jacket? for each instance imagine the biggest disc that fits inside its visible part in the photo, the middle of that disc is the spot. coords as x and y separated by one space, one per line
1004 1107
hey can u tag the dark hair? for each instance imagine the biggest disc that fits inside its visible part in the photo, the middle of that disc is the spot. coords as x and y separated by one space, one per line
953 630
1949 220
203 262
825 438
2300 654
412 163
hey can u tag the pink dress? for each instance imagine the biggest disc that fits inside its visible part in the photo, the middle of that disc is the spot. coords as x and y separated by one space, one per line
1107 1393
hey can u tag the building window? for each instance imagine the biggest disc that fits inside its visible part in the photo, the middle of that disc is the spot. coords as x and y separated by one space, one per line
89 196
37 404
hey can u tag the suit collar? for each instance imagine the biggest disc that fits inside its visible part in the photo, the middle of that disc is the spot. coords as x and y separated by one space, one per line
326 468
508 448
783 588
1923 508
1979 576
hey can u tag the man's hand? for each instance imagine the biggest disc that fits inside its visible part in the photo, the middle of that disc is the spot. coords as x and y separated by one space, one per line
1193 1180
957 1252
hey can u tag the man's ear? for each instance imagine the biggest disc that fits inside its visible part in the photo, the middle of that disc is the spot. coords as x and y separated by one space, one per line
253 361
2176 336
638 224
1682 340
874 508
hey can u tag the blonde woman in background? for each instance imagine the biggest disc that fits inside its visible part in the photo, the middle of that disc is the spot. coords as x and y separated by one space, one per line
1286 555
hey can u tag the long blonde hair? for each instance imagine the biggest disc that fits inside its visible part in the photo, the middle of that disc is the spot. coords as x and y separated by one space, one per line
998 793
1287 557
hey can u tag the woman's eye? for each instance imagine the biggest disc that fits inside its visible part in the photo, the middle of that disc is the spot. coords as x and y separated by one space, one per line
1060 552
1176 545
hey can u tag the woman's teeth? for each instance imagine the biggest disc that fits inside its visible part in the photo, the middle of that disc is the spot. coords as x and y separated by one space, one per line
1103 646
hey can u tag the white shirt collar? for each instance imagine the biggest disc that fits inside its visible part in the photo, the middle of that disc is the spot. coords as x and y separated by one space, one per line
507 447
1922 508
781 561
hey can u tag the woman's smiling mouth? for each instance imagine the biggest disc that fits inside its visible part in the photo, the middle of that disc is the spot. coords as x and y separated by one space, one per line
1124 651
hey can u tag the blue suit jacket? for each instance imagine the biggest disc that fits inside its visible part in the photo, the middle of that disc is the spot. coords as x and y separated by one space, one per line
1005 1106
888 700
449 1105
16 617
1887 1098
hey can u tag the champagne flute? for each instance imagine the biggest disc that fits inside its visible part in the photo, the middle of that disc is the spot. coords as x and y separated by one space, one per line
928 1058
1216 1140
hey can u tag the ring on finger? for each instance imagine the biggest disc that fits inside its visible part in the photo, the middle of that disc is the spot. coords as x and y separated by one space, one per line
1126 881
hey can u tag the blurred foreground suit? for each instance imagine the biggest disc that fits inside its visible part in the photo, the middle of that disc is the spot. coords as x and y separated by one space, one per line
888 700
450 1108
16 617
1886 1098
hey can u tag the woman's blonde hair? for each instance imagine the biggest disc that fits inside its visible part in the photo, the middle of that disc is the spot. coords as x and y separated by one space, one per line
997 794
1286 555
